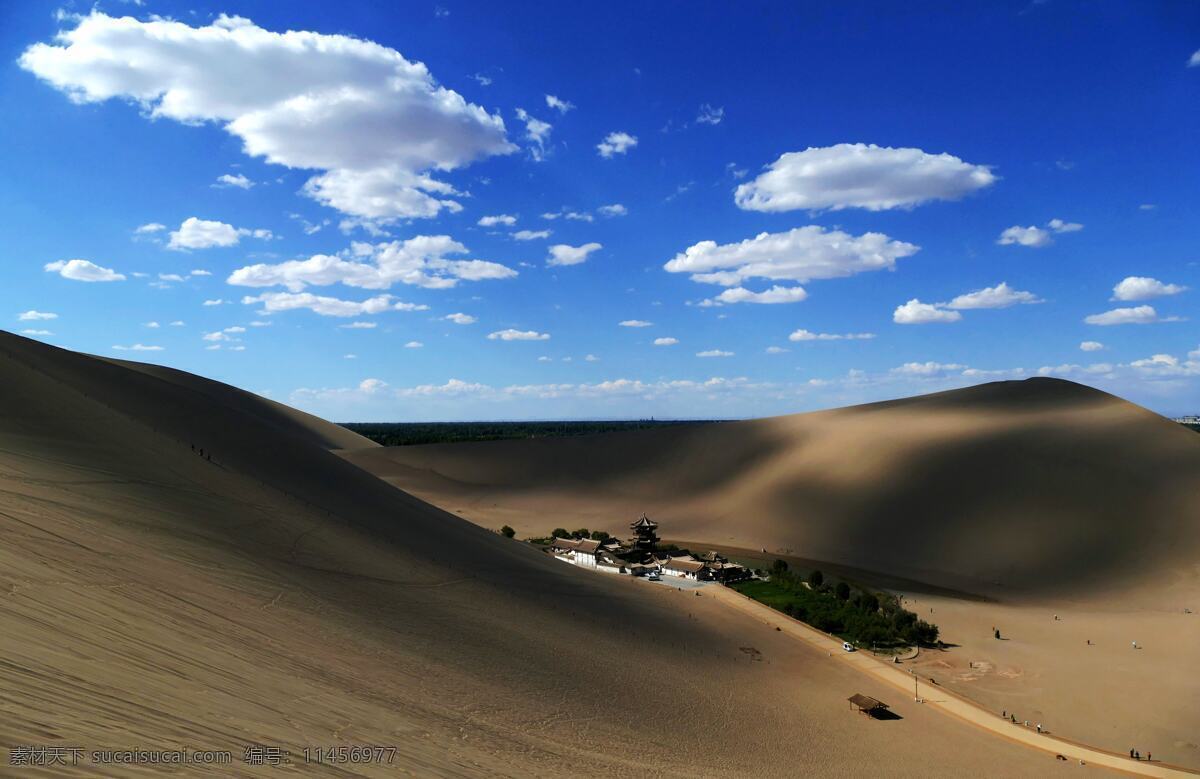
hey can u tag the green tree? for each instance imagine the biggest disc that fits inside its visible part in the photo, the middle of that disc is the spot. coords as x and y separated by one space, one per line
600 535
843 591
507 532
779 566
582 532
559 532
815 578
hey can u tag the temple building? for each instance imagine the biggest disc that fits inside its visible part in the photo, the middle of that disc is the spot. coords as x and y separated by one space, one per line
645 539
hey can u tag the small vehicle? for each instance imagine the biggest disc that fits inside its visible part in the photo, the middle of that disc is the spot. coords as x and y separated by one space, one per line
653 577
846 645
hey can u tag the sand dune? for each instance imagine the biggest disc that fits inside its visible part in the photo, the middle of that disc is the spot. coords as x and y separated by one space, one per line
1029 498
269 591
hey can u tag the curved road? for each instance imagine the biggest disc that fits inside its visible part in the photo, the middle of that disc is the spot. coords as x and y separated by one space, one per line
937 696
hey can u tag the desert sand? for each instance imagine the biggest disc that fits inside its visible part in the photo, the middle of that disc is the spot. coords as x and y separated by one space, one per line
999 505
268 591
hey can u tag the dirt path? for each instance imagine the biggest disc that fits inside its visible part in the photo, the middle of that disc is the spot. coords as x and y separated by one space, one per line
937 696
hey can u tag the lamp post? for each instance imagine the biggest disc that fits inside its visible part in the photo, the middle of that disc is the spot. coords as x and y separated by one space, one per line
916 695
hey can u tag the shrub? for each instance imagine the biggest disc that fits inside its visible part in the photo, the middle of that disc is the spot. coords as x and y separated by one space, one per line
507 532
842 591
778 567
815 578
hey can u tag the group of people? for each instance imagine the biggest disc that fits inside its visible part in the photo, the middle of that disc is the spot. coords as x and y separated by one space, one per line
1136 755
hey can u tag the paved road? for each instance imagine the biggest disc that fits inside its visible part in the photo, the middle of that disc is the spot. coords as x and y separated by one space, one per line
938 697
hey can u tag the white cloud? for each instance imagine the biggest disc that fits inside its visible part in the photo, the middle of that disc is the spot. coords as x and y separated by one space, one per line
1143 288
518 335
1091 346
710 115
591 358
562 254
776 294
461 319
359 326
181 323
999 296
801 254
170 277
860 176
1059 226
349 356
228 180
138 348
215 302
1033 237
196 233
1137 315
36 316
562 106
151 325
927 368
498 219
776 350
666 341
372 385
36 332
806 335
544 358
275 302
714 353
371 121
635 323
258 323
616 143
1036 237
1194 60
914 312
530 235
536 132
200 272
151 227
82 270
413 345
616 209
421 261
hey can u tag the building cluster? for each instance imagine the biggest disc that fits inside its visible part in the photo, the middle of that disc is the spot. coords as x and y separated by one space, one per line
640 556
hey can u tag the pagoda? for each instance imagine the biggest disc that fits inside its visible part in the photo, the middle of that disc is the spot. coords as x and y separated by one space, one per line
645 539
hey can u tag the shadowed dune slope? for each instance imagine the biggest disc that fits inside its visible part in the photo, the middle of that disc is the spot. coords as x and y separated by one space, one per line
1040 487
271 592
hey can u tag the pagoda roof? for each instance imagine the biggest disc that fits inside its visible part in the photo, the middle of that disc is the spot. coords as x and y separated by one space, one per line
644 522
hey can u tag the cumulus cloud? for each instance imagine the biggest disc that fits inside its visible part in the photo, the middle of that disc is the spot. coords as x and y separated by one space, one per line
215 302
530 235
498 219
714 353
776 294
616 209
138 348
635 323
460 318
36 316
857 175
370 122
82 270
1144 288
275 302
801 254
1036 237
926 369
1136 315
536 132
668 341
710 115
1194 60
558 104
1091 346
196 233
229 180
36 332
563 254
421 261
616 143
999 296
518 335
806 335
914 312
150 228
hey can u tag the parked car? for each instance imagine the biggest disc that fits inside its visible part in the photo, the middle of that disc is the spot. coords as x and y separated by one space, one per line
846 645
653 576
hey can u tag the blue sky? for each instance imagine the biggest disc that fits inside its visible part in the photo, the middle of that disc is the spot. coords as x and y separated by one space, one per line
447 211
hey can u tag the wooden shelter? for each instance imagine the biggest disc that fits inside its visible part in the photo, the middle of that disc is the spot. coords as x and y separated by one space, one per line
867 705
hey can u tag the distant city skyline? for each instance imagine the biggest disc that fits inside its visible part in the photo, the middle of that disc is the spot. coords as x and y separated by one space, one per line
458 211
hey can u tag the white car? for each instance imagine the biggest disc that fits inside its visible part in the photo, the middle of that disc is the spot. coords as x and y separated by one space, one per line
653 577
846 645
